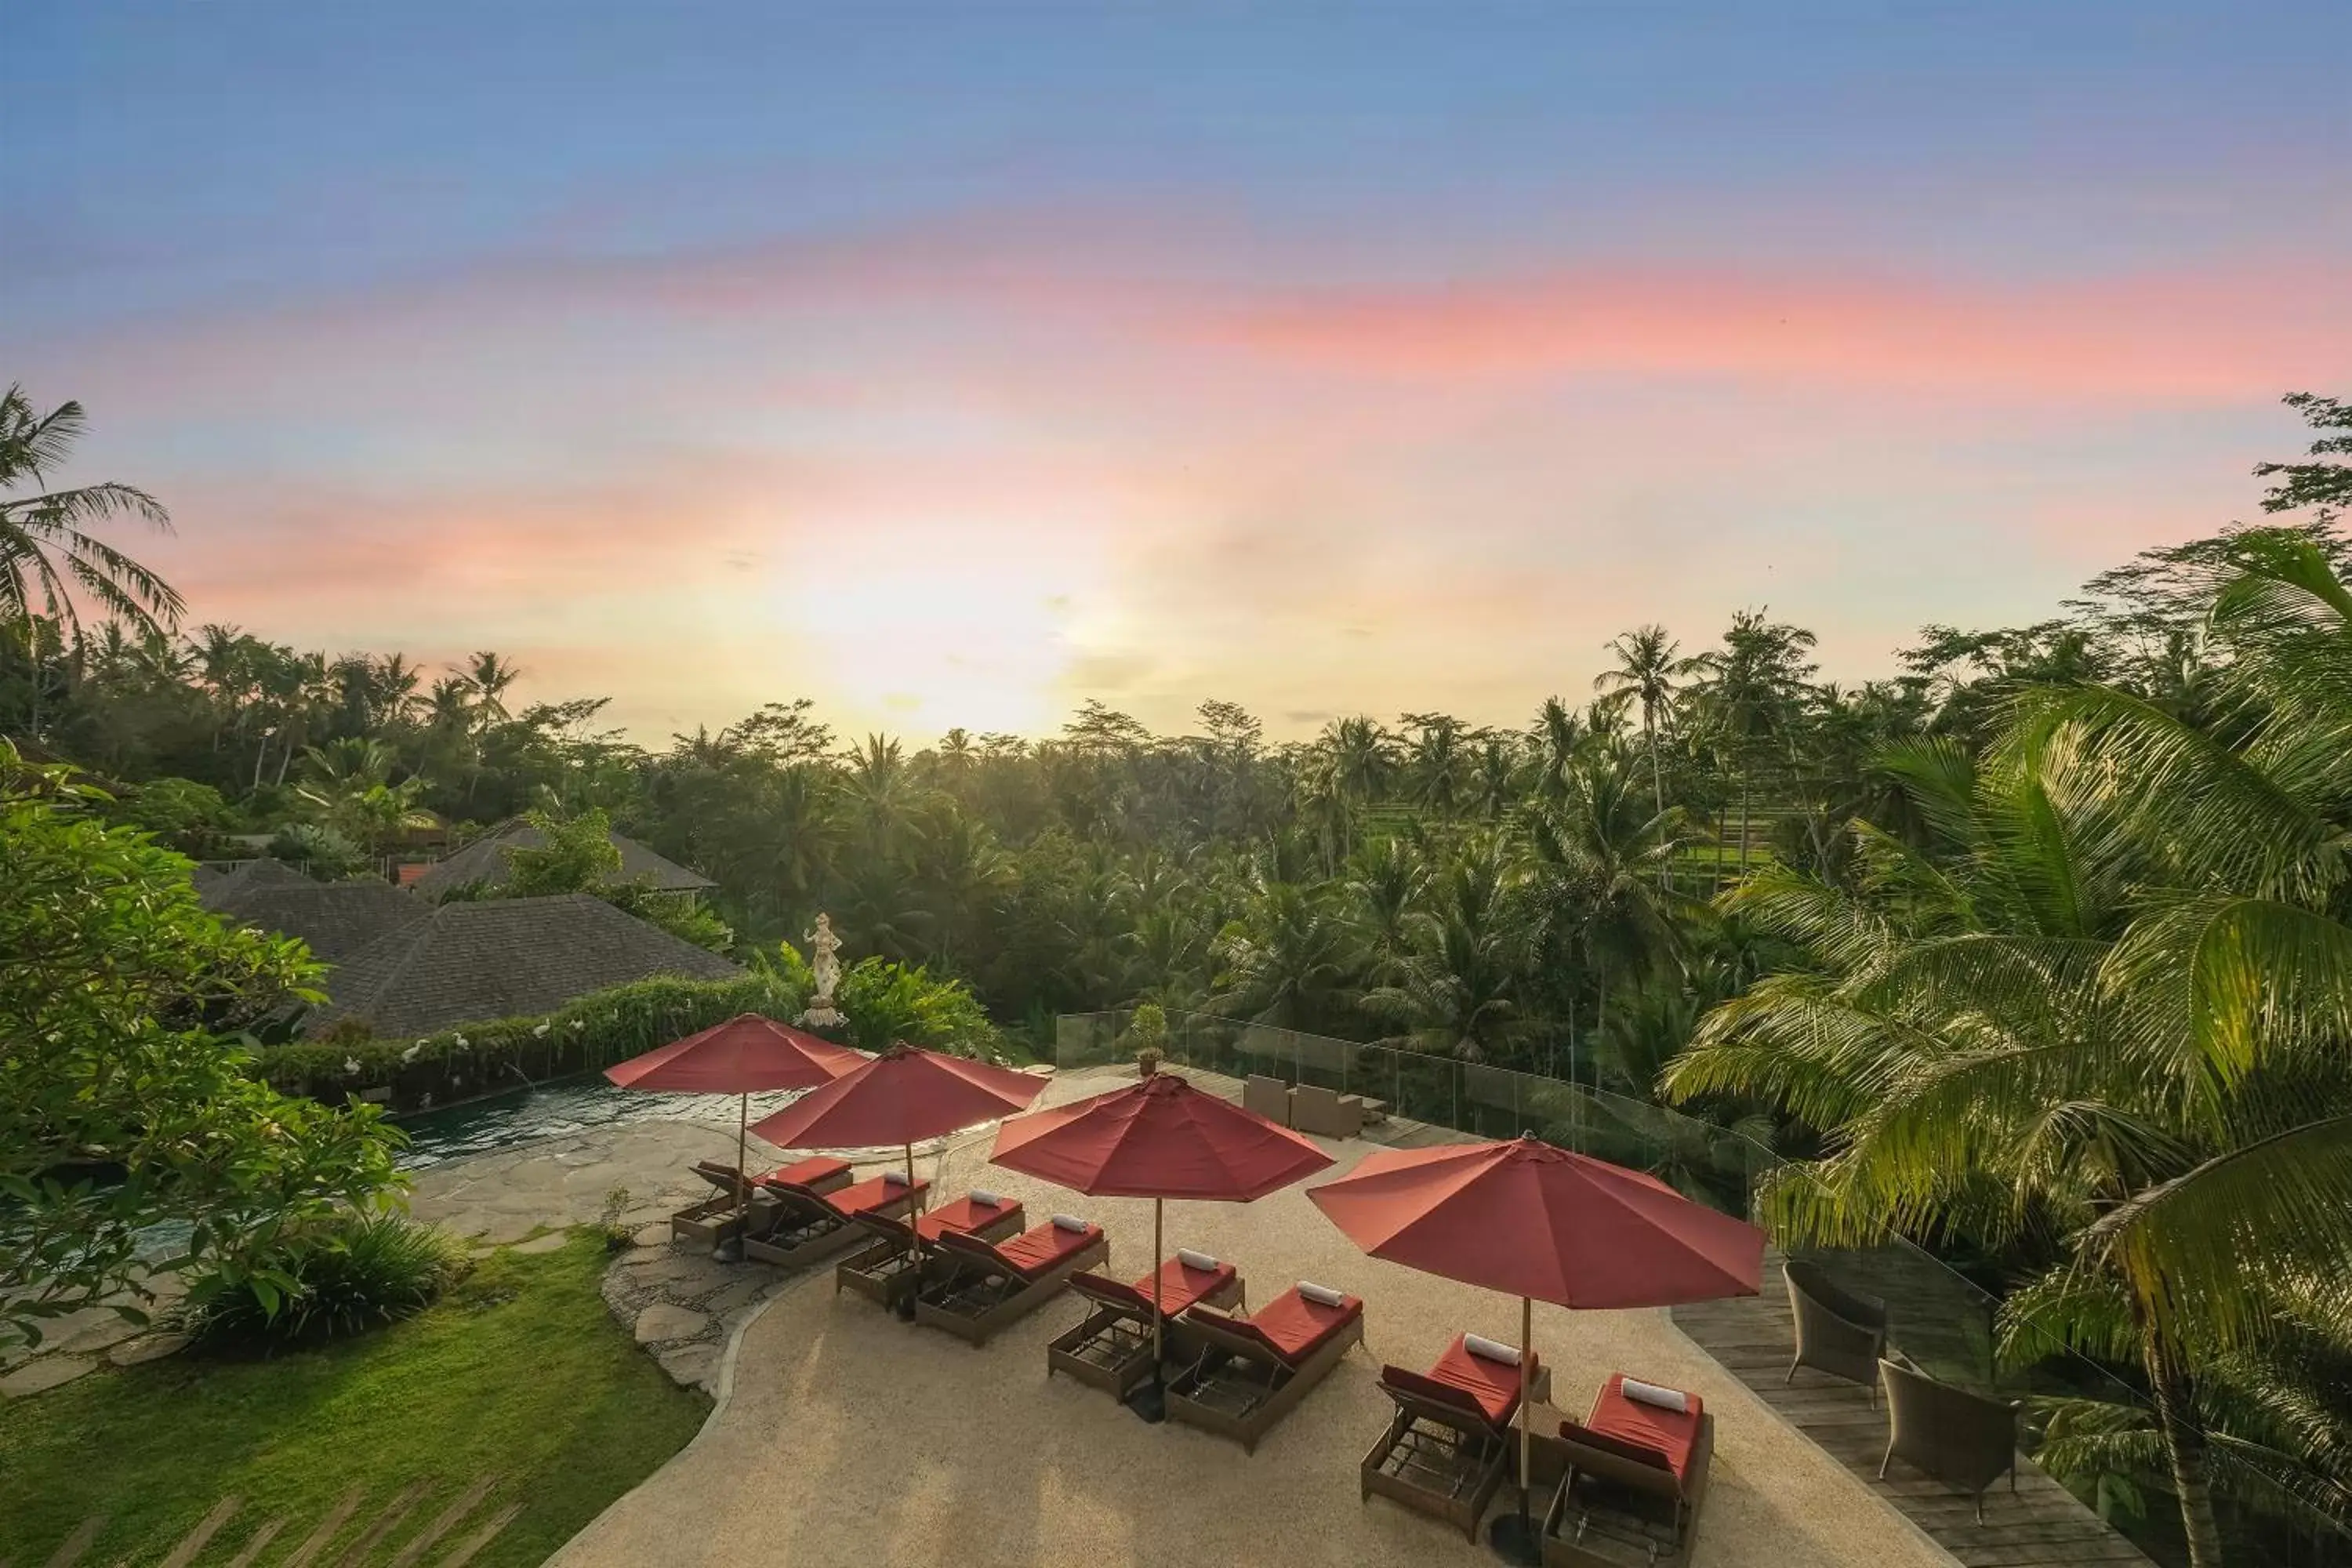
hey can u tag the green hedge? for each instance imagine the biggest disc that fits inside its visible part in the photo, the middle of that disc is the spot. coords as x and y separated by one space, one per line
475 1060
884 1001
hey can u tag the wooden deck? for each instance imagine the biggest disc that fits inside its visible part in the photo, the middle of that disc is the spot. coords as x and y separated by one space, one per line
2040 1524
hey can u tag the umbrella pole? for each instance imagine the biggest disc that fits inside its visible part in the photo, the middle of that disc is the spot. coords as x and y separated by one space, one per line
1157 1320
1513 1536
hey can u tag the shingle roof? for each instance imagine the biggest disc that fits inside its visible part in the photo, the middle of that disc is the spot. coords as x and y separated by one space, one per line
472 962
336 918
482 861
223 885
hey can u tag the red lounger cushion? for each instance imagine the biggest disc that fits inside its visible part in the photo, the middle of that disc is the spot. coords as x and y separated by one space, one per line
878 1192
808 1172
1183 1286
1494 1384
1035 1252
1290 1326
963 1215
1669 1435
1430 1390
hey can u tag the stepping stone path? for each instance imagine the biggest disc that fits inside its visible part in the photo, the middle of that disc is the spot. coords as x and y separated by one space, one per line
682 1305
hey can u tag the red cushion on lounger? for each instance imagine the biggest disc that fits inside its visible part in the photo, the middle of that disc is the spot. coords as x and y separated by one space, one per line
1183 1286
1295 1327
808 1172
1495 1385
874 1193
1034 1252
1424 1387
1670 1434
963 1215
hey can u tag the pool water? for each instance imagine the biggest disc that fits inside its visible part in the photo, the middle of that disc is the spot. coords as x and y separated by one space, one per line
558 1110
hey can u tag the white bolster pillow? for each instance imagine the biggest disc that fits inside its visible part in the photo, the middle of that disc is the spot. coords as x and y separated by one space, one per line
986 1200
1650 1394
894 1178
1070 1222
1321 1295
1491 1350
1191 1259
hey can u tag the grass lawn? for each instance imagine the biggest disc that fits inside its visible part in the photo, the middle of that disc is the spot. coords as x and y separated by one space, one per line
519 1371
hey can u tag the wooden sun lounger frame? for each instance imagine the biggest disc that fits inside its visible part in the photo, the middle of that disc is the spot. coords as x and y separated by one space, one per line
797 1233
884 1270
1577 1534
1449 1458
1213 1350
717 1217
973 1301
1111 1347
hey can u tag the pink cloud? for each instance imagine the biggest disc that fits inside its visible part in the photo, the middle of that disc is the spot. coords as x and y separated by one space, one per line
2212 334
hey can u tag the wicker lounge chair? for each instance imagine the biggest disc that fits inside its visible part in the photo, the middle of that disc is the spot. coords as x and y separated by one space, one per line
1246 1373
973 1287
1957 1437
1313 1109
722 1215
1839 1331
1631 1476
792 1223
1111 1346
1450 1445
1266 1097
884 1268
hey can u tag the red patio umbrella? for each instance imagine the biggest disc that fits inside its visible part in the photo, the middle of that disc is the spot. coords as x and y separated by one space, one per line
1544 1225
1157 1139
746 1055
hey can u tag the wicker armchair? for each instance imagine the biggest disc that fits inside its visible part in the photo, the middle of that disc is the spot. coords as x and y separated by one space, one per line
1953 1435
1839 1331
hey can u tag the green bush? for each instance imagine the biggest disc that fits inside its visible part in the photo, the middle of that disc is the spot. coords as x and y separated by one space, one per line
327 1281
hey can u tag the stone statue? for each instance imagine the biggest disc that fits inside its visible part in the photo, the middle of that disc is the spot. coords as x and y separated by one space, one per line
825 959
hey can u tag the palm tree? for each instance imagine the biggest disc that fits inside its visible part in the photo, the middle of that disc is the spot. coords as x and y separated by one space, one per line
49 558
1455 987
1753 688
489 676
1288 959
1648 665
2107 1003
1385 882
1441 763
1559 737
1603 884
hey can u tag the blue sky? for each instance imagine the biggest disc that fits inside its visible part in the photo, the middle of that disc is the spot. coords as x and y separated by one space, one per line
1321 361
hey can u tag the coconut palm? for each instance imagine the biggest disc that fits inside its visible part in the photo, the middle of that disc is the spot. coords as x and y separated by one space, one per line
1455 988
2107 1003
1602 886
1649 662
1385 880
49 558
489 676
1290 959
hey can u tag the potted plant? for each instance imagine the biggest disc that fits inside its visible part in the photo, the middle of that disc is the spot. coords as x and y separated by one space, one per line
1147 1035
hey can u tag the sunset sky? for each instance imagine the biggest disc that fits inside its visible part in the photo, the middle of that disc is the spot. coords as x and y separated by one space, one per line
954 366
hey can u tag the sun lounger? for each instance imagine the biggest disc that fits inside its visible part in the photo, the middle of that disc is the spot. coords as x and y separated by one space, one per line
714 1219
1448 1447
1325 1112
884 1268
1246 1373
1631 1476
792 1223
1111 1348
973 1288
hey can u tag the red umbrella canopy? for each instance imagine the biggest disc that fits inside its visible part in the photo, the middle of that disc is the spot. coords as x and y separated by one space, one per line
745 1055
1161 1138
903 1096
1531 1220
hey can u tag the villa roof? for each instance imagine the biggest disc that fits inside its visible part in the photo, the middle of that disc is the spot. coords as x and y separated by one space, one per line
482 862
471 961
218 886
336 919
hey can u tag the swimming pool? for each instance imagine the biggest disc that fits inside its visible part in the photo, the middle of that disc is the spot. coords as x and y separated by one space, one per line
557 1109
